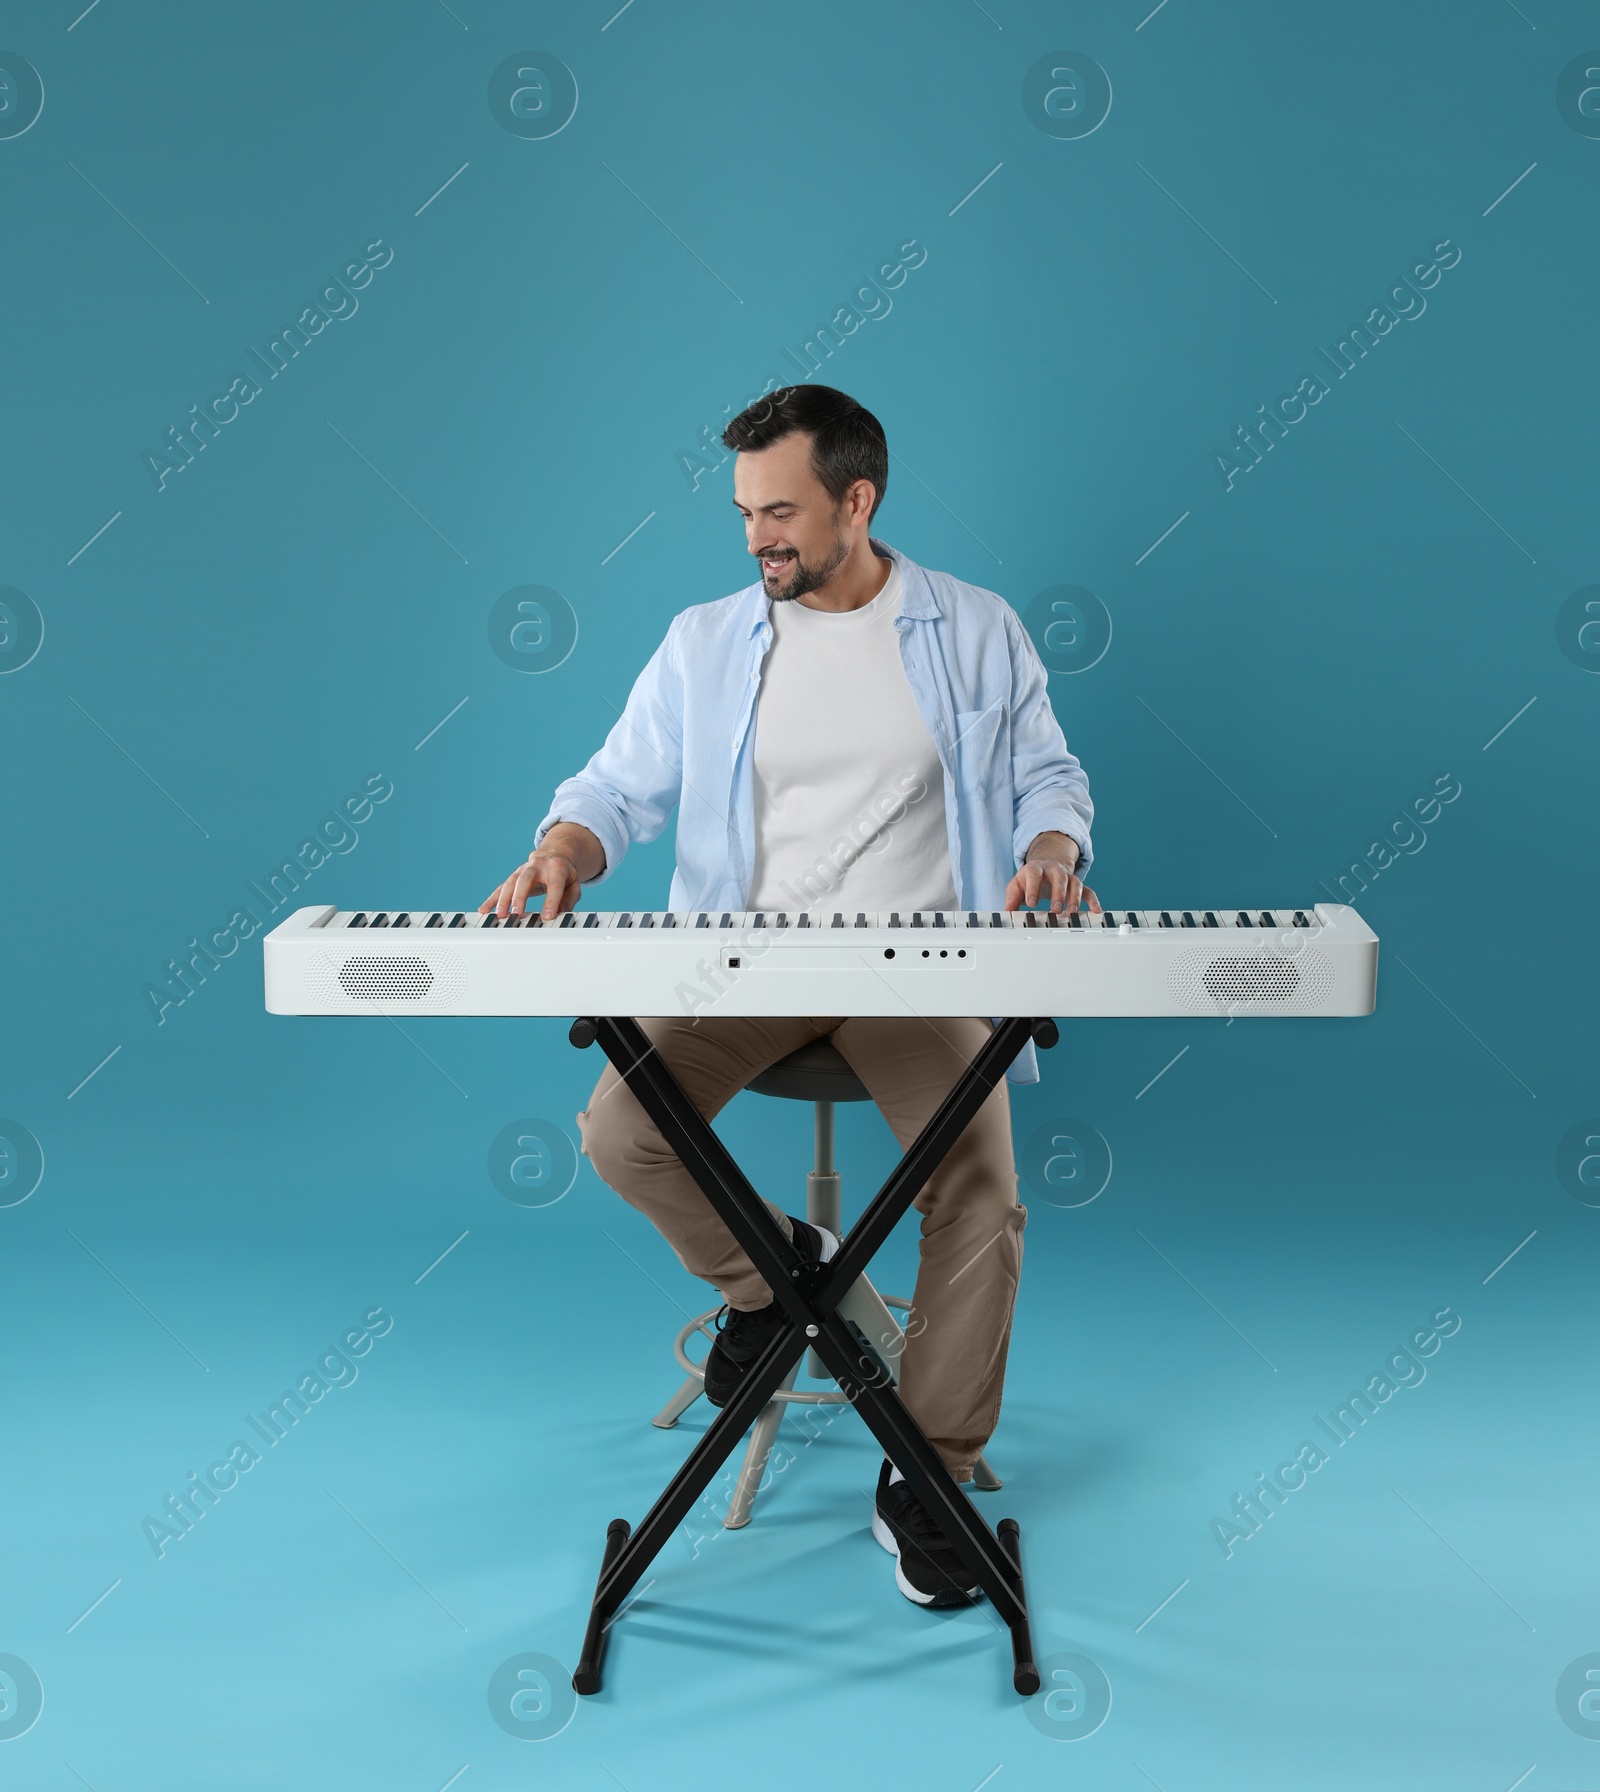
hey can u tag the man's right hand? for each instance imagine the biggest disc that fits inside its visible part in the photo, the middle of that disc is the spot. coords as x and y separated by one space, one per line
568 857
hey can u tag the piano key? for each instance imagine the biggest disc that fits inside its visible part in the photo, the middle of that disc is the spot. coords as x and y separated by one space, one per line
1188 918
802 919
1132 917
1033 919
861 919
916 918
1245 919
403 920
491 919
435 920
726 921
938 920
1166 919
783 920
1075 919
894 919
669 919
1110 917
591 919
996 920
1211 918
380 920
625 920
358 920
1300 918
569 919
838 919
459 921
647 920
1268 919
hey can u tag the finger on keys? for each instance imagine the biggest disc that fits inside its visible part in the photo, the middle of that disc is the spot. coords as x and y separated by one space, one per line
1060 883
555 889
1094 901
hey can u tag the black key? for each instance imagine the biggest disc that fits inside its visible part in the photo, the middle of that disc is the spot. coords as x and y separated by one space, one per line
938 919
535 921
1052 920
379 921
1032 920
569 920
625 920
996 920
647 920
403 920
1110 917
972 918
1300 918
358 920
491 919
1166 919
459 921
1132 918
704 921
802 920
838 919
669 919
916 919
591 920
1244 918
1211 919
761 920
1076 920
783 920
1188 918
435 921
861 919
726 921
894 919
1267 919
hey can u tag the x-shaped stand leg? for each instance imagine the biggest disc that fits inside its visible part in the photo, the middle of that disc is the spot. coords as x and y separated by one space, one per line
809 1295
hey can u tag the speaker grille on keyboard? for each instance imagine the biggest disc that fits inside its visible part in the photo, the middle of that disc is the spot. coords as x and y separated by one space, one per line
385 979
1207 982
434 983
1252 979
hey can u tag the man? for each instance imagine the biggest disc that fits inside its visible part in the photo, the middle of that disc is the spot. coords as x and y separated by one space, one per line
853 732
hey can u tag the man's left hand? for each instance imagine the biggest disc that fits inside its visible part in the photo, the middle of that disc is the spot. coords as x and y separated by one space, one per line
1048 873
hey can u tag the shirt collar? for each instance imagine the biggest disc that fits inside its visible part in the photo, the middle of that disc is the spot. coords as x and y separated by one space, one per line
917 600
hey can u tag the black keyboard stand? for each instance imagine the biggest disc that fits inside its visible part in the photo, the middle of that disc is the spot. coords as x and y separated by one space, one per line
809 1294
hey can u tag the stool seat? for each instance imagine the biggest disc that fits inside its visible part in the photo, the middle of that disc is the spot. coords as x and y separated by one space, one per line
815 1072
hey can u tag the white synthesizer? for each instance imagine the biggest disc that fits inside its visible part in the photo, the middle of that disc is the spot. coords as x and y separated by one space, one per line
1321 960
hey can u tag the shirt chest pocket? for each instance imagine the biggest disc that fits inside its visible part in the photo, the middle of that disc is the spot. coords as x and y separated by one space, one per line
982 764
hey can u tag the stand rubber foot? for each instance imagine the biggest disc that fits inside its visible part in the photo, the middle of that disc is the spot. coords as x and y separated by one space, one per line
586 1676
1024 1670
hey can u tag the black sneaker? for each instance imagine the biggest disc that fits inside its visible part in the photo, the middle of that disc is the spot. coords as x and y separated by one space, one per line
926 1569
742 1337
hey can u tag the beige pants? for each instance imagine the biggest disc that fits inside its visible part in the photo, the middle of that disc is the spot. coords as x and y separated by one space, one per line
958 1330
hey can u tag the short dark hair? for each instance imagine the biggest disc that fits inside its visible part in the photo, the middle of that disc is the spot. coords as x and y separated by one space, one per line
847 441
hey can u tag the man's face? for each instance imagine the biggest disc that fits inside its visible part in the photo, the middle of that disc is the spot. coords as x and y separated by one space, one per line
793 527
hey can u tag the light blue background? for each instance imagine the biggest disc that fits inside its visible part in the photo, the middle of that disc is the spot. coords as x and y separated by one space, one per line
1296 661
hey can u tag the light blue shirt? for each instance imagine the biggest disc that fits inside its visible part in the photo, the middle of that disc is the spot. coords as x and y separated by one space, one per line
687 740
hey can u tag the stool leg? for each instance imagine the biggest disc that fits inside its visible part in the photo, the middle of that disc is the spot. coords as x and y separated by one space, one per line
762 1436
824 1204
984 1478
693 1387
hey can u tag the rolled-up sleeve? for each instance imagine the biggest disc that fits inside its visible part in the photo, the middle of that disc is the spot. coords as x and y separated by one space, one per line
1049 790
630 787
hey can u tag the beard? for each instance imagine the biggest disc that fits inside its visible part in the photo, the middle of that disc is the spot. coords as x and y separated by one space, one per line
803 577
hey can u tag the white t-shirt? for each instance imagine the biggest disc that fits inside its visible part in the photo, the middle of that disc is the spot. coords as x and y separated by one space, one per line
849 792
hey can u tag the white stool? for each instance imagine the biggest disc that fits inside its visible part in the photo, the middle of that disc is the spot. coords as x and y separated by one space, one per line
815 1073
